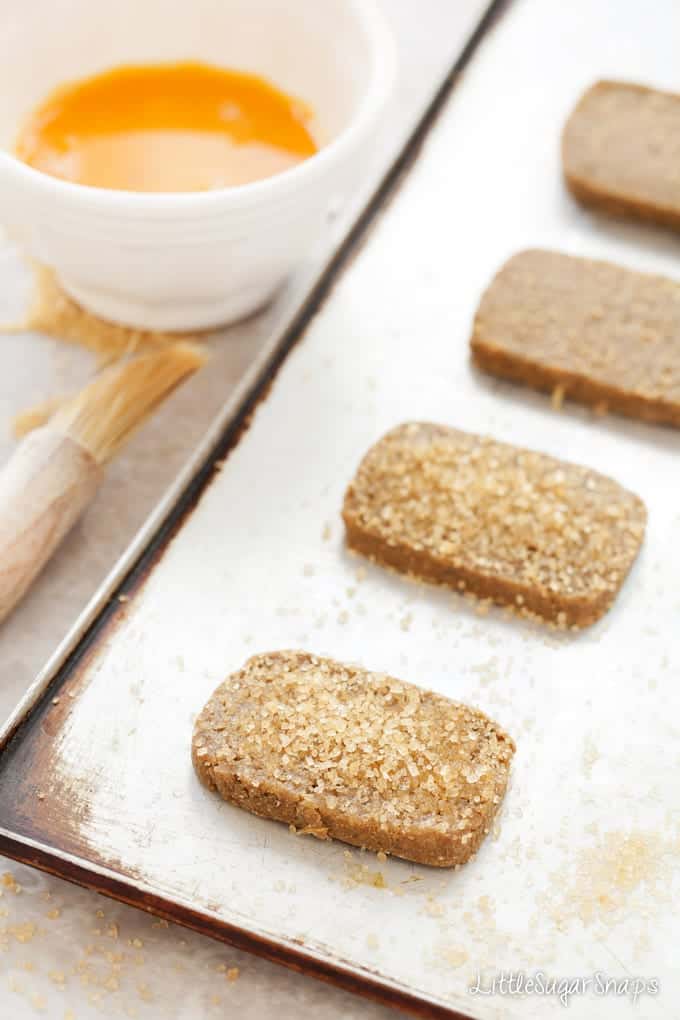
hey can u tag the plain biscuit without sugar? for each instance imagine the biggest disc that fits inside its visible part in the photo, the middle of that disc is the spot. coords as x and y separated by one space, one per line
585 330
621 151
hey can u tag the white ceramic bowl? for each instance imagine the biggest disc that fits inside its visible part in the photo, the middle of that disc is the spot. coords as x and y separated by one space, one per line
194 260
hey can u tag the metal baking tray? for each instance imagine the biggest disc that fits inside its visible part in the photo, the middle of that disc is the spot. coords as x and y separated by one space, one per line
579 880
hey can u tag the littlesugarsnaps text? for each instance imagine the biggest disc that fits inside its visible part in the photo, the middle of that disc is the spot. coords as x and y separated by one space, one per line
518 983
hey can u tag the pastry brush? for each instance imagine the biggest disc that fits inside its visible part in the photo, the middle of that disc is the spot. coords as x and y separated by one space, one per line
56 470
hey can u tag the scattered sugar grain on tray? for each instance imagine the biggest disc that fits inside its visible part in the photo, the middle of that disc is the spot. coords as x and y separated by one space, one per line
454 956
433 908
359 874
590 755
10 883
623 870
486 672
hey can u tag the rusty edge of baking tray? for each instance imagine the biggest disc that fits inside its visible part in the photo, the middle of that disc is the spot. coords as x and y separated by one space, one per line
137 563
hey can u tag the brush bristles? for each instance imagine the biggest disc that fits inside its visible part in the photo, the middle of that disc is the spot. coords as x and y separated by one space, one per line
33 417
103 416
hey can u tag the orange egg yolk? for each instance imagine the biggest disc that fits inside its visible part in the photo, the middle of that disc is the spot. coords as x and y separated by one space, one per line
167 127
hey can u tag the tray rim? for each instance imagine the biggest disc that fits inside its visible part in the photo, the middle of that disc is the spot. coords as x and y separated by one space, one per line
136 563
291 953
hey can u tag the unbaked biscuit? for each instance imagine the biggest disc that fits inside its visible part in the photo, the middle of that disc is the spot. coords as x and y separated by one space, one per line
584 329
621 151
520 528
339 752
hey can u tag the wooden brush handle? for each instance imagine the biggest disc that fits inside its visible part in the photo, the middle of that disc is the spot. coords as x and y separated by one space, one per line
44 488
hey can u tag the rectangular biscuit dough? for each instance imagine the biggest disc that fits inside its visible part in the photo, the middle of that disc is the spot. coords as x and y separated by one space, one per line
584 329
523 529
621 151
337 751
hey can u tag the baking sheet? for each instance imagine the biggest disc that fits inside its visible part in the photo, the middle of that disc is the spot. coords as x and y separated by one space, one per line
580 877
